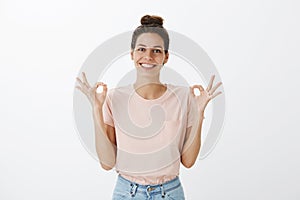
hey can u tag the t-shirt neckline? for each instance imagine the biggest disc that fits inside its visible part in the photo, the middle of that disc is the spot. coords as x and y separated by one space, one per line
151 100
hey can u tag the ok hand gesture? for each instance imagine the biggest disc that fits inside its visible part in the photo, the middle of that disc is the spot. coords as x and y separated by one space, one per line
205 95
95 98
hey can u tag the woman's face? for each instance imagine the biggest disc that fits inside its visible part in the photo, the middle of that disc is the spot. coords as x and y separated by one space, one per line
149 54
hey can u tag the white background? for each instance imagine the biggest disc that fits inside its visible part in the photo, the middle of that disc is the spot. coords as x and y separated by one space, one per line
254 45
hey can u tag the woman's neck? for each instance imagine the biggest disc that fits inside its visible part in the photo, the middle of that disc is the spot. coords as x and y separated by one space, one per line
150 90
148 84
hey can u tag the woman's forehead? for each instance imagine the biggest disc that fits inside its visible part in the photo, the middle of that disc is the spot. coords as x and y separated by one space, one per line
150 40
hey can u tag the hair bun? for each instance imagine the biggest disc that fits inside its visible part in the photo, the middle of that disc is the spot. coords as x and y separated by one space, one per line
152 20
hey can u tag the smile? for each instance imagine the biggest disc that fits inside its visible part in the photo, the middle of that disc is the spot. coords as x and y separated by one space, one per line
147 66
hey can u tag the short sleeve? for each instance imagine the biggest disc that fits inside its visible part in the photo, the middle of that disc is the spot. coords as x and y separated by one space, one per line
107 111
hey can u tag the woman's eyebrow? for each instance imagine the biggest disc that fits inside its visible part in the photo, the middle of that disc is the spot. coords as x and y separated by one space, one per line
146 45
141 45
158 46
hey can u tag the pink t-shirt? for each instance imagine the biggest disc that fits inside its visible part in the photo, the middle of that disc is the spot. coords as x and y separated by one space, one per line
150 133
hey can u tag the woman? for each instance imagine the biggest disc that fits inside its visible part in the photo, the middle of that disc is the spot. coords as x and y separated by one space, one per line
147 129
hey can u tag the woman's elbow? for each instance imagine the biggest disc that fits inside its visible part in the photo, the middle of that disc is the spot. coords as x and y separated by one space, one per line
187 163
106 167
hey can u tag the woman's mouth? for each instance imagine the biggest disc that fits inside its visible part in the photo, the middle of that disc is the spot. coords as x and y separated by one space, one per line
147 66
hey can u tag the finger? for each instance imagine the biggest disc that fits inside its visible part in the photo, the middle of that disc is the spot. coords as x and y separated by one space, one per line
85 81
105 88
79 88
83 87
218 93
215 87
210 82
192 90
98 84
101 84
199 87
80 82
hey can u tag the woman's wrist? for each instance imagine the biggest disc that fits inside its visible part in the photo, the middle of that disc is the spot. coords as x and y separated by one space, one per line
96 107
201 114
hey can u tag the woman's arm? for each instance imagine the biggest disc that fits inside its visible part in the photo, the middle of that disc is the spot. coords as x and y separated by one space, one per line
105 140
104 134
192 142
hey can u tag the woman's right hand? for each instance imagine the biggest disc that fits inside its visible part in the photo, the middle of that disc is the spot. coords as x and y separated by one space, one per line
95 98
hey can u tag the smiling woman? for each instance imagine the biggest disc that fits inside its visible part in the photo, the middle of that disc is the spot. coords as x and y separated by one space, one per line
147 129
149 57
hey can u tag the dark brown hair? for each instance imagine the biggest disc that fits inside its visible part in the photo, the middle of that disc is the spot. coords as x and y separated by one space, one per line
151 24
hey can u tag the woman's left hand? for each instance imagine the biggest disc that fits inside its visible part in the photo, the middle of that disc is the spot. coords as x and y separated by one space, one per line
205 95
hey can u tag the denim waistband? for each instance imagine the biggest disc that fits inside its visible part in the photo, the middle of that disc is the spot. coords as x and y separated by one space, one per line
149 189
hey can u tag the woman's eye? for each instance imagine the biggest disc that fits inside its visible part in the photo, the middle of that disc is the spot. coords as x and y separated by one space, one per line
156 51
141 49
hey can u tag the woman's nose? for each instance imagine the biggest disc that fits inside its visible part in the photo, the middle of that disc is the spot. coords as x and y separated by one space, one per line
148 54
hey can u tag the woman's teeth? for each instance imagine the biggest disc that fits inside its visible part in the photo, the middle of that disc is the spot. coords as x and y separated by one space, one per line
147 65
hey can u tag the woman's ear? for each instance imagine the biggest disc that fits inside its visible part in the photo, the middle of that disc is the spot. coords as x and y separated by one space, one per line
131 54
166 58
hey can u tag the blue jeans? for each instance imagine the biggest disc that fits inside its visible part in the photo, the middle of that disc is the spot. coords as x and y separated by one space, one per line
125 190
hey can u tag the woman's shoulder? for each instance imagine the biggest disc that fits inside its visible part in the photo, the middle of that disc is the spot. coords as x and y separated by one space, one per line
184 89
120 90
